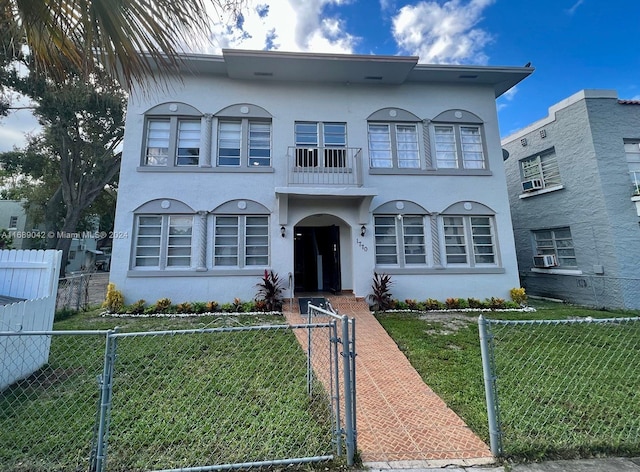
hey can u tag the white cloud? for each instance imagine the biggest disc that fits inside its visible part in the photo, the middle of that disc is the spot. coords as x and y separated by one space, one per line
575 6
289 25
444 33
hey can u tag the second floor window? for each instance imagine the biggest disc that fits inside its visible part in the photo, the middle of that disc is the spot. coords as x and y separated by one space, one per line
244 142
393 145
459 146
310 137
540 171
172 141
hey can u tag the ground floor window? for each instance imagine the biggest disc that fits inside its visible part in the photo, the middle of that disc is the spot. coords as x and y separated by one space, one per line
557 242
400 240
241 241
163 241
469 240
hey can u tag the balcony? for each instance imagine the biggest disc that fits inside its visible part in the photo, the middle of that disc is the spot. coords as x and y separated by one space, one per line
324 166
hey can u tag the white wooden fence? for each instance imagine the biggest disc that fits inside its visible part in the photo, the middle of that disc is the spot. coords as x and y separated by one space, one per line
33 277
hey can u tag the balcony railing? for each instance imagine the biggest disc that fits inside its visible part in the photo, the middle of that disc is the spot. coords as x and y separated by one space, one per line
320 166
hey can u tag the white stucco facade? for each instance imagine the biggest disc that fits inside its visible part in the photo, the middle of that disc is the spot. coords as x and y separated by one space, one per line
322 201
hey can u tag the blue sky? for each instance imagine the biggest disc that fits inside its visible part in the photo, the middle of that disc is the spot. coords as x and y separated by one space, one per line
573 44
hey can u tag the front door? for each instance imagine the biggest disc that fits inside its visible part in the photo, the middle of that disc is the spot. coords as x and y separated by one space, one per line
317 259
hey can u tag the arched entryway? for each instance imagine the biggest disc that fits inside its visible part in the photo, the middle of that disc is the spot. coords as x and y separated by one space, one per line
317 254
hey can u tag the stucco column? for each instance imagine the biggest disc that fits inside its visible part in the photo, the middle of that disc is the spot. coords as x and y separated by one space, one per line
205 152
201 245
435 241
426 142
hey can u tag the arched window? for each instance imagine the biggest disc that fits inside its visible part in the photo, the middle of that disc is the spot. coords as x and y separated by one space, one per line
172 135
468 230
458 138
401 234
244 136
241 234
393 139
163 235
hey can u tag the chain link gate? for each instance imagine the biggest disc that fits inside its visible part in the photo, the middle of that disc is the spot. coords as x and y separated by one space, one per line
203 399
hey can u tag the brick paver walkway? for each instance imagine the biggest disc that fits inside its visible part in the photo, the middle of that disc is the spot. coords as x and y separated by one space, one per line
399 418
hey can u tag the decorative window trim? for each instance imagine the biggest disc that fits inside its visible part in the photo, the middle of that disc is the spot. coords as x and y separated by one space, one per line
247 157
402 235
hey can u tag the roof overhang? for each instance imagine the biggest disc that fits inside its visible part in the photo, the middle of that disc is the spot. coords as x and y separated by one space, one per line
348 68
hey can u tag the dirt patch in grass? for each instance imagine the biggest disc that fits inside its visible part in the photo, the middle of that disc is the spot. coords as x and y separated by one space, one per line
447 323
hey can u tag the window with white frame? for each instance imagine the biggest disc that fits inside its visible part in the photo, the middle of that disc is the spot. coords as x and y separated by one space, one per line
540 171
244 142
557 242
400 240
393 145
172 141
13 222
241 241
163 241
310 137
459 146
469 240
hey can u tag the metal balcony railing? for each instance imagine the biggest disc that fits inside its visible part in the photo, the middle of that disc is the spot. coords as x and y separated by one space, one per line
322 166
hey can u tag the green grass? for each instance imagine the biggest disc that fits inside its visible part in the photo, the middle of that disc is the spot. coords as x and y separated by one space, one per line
545 411
178 400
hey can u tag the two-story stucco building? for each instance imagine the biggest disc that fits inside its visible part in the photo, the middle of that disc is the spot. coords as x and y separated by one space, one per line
573 180
322 167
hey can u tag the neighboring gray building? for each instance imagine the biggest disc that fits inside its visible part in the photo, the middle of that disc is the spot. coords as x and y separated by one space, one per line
14 219
573 183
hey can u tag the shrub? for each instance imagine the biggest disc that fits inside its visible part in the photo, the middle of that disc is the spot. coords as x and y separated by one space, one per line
381 297
63 314
137 307
518 295
227 308
475 303
452 303
199 307
432 304
462 303
260 305
270 291
400 305
213 307
412 304
184 307
114 301
496 303
163 305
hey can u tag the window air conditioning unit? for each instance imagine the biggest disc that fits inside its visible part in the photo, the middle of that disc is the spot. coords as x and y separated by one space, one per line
547 260
531 185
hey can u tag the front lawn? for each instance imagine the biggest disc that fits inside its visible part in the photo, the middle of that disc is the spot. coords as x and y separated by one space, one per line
444 348
179 400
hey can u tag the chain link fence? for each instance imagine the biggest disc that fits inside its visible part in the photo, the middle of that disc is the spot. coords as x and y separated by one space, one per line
194 399
562 388
80 291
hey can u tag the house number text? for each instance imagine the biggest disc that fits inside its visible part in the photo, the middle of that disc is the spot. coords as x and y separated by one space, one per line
362 245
